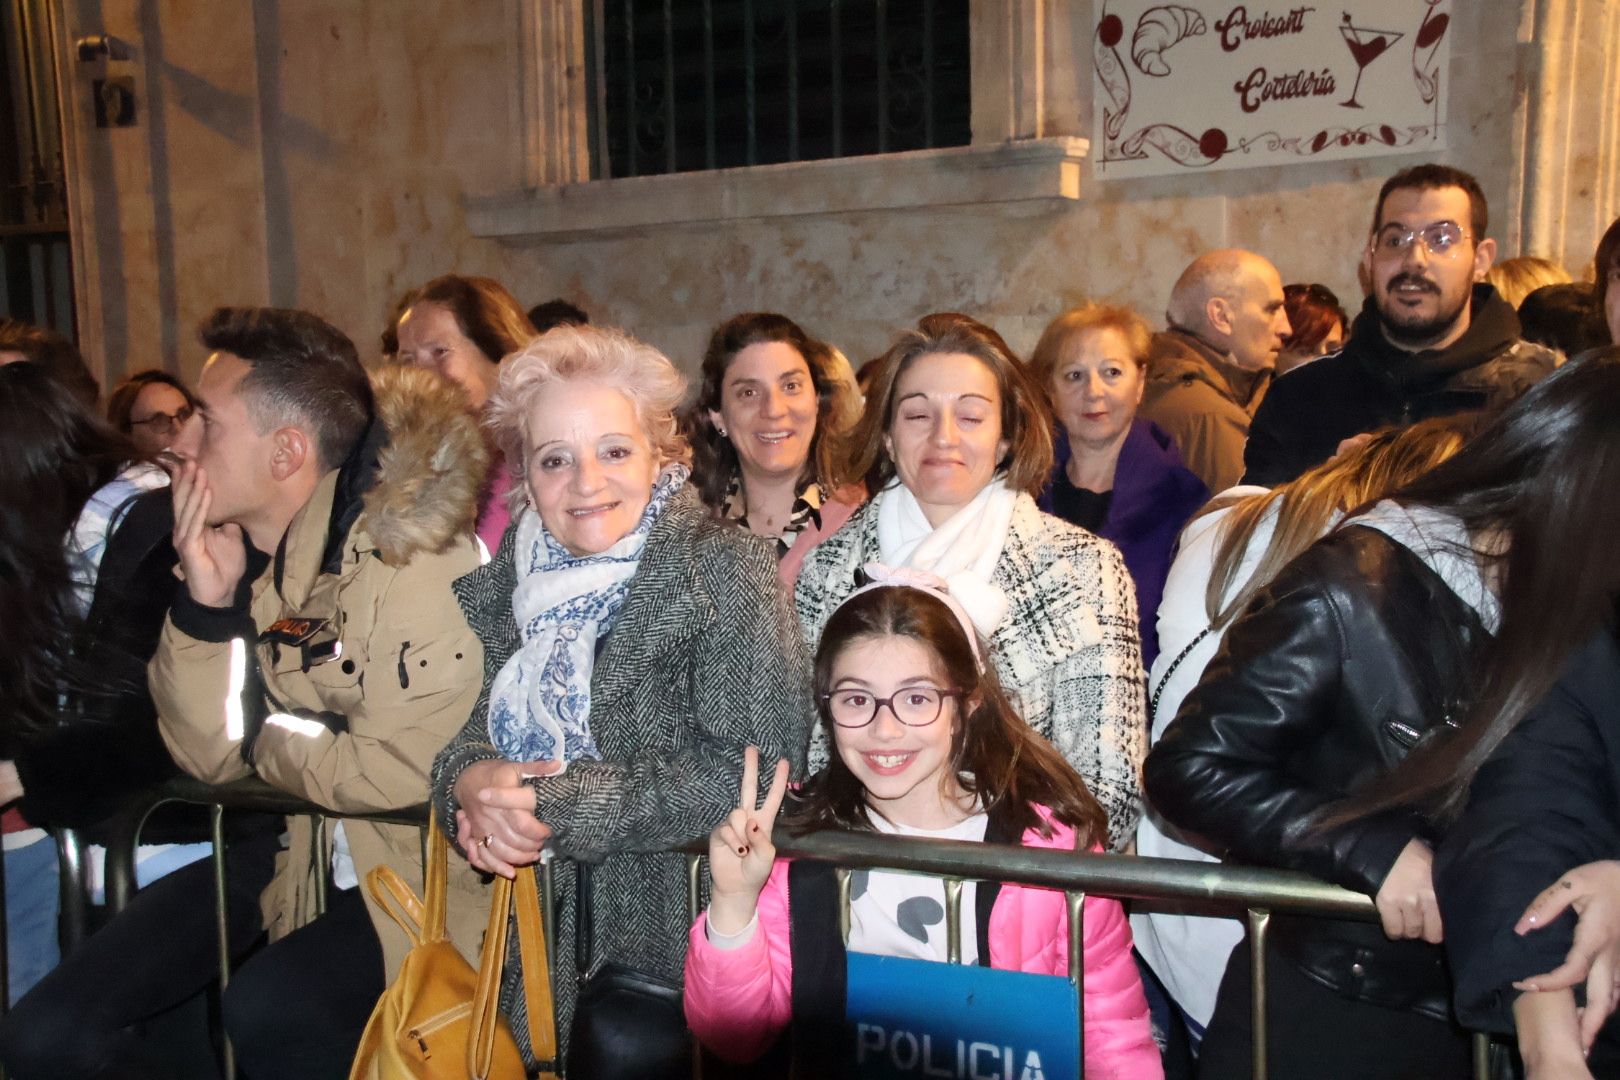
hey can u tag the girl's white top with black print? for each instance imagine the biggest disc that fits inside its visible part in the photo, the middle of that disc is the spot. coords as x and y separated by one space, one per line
896 914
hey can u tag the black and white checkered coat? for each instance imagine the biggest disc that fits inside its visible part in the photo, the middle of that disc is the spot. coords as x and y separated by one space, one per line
1087 696
704 659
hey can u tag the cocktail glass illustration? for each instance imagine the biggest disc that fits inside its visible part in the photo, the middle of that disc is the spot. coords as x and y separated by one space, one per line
1366 45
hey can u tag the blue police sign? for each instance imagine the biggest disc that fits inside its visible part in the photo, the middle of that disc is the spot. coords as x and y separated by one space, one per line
913 1018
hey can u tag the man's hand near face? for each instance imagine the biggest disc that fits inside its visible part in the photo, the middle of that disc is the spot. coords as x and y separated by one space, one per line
213 558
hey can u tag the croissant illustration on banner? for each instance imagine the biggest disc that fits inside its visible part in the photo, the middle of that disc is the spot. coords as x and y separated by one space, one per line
1158 30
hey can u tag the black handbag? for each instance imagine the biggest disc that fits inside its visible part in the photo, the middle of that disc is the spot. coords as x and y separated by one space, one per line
628 1025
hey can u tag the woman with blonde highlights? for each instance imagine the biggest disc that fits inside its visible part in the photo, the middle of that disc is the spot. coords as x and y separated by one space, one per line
633 646
1517 278
955 444
1120 477
1352 701
1228 554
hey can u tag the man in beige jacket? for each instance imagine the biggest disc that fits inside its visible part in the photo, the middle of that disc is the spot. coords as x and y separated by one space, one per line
320 518
1208 373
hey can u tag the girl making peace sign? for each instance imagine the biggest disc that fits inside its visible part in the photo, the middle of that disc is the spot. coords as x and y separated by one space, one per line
928 745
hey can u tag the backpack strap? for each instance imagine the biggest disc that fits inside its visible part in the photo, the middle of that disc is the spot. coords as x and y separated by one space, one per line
820 970
513 902
998 830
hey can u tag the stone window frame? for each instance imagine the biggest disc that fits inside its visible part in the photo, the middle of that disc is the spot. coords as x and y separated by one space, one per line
1018 154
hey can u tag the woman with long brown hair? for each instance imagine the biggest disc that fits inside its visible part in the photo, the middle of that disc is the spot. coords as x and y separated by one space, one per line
955 444
1348 706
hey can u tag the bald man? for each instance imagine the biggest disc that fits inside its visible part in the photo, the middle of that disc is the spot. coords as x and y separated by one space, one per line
1209 371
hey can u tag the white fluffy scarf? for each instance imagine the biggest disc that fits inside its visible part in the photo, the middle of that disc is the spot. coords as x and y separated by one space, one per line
963 550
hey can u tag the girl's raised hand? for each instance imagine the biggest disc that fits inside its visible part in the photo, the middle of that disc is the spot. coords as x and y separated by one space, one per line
740 850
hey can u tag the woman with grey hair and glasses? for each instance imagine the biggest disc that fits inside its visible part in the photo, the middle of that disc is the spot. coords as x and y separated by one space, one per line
634 646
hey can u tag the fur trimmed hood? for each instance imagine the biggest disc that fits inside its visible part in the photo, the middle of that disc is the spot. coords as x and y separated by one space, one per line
432 469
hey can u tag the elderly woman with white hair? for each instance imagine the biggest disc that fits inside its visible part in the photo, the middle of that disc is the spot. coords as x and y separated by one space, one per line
634 646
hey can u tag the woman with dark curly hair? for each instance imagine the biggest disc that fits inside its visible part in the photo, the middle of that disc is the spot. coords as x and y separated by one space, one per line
762 427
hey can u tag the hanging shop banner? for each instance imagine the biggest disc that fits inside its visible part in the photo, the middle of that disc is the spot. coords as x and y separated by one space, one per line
912 1018
1204 85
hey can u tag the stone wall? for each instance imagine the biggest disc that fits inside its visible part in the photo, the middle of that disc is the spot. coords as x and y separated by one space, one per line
320 153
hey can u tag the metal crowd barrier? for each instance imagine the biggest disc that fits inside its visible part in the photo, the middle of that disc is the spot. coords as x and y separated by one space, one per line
1259 893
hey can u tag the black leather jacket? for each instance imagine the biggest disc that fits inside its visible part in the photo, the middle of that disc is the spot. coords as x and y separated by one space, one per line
1353 654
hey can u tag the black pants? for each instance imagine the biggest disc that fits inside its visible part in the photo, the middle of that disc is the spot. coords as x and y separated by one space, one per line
298 1008
85 1019
1319 1034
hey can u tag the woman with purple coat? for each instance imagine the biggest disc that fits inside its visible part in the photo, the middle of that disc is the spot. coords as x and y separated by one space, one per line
1120 477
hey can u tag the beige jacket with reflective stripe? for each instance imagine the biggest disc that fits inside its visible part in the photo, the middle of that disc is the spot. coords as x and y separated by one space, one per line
404 679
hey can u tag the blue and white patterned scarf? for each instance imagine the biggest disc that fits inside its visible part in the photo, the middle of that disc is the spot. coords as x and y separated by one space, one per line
540 701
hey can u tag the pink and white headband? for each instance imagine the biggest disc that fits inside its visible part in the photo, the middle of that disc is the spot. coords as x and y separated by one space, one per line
879 576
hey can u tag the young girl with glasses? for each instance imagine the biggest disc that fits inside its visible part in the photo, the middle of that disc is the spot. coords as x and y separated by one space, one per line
926 744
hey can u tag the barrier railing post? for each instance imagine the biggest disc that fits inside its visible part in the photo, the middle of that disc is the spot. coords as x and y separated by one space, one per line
216 828
953 920
1075 902
119 869
694 881
1259 923
1260 893
1482 1056
323 862
842 873
70 857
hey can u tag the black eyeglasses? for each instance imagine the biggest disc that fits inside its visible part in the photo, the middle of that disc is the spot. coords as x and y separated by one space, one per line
915 706
162 423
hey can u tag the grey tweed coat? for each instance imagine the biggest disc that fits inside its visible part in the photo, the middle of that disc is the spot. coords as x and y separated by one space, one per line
704 660
1082 689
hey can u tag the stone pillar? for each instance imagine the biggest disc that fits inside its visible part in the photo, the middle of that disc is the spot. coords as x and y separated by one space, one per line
1567 186
1029 81
552 88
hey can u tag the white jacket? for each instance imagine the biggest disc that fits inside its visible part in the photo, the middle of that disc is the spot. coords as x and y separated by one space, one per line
1188 953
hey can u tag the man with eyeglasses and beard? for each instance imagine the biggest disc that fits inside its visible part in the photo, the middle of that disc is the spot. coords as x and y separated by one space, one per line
1431 340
